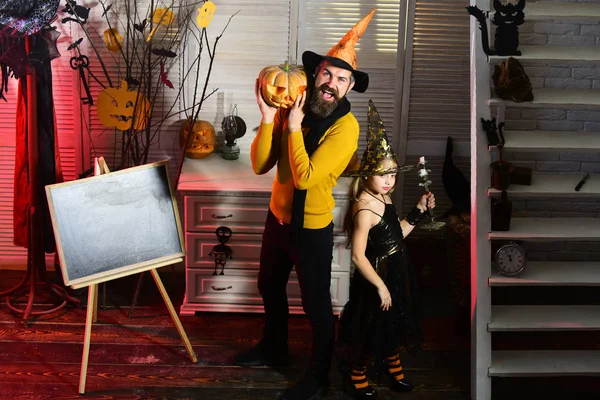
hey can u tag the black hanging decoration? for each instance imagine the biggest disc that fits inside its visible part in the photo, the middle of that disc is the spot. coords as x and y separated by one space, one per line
507 19
221 251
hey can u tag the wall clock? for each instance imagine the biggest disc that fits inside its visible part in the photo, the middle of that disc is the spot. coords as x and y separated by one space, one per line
510 259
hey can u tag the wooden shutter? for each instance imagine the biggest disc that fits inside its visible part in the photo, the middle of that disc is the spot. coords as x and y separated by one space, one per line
436 96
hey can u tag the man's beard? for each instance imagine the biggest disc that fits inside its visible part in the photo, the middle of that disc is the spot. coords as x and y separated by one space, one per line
320 107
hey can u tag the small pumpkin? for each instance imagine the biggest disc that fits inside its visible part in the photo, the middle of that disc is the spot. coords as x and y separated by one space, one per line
203 140
113 40
281 84
161 16
123 109
206 14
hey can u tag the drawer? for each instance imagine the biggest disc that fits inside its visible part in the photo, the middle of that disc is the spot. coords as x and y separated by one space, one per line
246 251
241 214
241 287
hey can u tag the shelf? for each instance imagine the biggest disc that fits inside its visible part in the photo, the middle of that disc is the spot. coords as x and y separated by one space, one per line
575 141
544 318
545 363
547 54
553 273
552 185
547 10
549 229
555 98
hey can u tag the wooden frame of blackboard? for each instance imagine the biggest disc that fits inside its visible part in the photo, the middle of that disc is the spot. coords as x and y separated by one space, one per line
124 270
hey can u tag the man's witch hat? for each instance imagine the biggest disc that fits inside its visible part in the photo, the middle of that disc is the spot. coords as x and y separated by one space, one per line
343 55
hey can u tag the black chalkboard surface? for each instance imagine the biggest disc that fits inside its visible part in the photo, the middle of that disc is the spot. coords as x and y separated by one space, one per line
116 224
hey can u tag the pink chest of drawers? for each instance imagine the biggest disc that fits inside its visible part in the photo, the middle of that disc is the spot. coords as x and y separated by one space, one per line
217 192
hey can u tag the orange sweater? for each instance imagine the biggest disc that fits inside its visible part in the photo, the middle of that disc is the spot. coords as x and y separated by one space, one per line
273 145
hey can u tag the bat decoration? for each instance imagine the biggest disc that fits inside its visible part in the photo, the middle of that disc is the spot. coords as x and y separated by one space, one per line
75 44
163 76
141 26
81 12
132 82
164 53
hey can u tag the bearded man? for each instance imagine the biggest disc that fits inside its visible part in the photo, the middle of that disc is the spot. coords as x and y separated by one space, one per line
310 146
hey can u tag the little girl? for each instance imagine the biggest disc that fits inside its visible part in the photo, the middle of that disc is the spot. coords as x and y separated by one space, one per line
382 312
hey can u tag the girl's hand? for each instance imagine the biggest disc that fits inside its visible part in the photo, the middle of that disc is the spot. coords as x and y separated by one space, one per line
426 201
297 113
385 296
268 112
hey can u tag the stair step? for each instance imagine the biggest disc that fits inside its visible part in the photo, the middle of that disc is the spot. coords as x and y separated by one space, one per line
541 363
552 273
545 318
550 229
537 140
552 185
548 53
555 98
546 10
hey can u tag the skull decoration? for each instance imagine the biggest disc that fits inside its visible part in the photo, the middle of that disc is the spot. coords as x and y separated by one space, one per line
202 142
221 251
205 14
281 84
123 109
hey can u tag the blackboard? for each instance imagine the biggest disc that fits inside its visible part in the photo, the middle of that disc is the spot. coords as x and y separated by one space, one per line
117 224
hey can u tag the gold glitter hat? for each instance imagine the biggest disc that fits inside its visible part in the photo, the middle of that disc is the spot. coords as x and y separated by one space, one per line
378 149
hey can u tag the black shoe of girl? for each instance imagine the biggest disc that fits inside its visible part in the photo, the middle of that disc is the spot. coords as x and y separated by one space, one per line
359 393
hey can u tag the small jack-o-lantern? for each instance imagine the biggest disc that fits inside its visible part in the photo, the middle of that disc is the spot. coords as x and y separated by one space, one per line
203 140
123 109
281 84
113 40
206 14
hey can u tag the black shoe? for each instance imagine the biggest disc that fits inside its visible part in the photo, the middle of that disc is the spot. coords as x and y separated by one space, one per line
364 393
397 385
307 389
259 355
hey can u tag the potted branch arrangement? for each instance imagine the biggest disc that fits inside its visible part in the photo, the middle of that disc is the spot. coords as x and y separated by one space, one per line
137 49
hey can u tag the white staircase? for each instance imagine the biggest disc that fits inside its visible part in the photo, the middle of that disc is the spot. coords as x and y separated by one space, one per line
526 318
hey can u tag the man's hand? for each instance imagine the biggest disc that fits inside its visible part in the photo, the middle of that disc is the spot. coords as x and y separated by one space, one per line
297 113
268 112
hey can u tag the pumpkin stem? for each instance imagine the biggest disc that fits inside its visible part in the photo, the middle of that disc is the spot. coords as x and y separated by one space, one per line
286 66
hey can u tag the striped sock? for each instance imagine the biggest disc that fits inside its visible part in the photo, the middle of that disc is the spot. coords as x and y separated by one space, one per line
359 377
395 367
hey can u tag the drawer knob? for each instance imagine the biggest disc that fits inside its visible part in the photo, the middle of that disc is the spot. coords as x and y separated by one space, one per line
222 216
218 289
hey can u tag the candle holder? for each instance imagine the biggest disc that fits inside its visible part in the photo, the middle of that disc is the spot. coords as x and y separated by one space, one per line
425 182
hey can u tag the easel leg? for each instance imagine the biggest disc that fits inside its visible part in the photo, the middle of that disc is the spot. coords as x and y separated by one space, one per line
174 316
89 316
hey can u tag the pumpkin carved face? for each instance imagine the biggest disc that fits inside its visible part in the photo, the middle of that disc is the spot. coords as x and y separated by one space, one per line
281 84
202 142
205 14
113 40
123 109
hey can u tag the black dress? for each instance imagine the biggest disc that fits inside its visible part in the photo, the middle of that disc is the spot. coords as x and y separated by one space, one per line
366 332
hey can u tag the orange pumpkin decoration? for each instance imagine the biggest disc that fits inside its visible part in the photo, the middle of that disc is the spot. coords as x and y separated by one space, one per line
123 109
113 40
281 84
202 142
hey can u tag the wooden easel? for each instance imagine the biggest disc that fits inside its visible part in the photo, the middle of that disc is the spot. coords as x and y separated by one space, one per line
100 168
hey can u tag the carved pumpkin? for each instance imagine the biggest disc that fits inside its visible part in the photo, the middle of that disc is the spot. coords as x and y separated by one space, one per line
206 14
202 142
123 109
113 40
281 84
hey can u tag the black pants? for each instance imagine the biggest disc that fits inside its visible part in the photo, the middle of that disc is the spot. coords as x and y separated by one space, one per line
312 256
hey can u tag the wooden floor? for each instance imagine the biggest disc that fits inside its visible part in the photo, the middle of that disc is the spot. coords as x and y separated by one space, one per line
142 357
